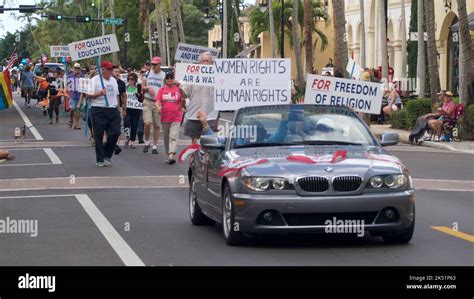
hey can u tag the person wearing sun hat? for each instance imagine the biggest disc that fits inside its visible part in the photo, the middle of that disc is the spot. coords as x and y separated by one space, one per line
105 114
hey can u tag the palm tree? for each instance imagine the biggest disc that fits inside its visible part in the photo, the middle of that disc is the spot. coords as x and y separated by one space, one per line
383 38
296 45
112 15
362 35
420 66
174 25
144 20
308 33
272 28
403 39
159 10
179 18
340 36
432 52
466 58
28 18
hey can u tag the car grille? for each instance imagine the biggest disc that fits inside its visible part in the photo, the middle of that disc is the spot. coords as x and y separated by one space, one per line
346 183
313 184
307 219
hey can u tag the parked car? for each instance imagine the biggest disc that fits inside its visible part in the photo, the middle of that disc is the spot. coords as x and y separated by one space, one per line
303 166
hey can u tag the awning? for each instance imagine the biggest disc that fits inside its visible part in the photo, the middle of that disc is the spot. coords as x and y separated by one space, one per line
470 20
247 51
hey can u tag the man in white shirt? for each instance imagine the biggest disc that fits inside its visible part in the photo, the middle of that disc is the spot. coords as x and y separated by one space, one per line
105 118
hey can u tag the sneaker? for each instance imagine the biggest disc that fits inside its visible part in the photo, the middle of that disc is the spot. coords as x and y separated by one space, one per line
108 162
100 164
172 161
117 150
141 141
132 145
146 148
50 121
154 151
426 138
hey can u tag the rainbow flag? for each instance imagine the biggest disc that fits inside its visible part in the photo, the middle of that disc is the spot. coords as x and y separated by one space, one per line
6 98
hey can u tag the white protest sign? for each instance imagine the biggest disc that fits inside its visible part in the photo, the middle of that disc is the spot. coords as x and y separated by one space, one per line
251 82
94 47
195 74
60 51
124 77
132 101
85 86
353 69
362 96
190 53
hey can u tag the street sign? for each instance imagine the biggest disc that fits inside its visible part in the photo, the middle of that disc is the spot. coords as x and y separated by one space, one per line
113 21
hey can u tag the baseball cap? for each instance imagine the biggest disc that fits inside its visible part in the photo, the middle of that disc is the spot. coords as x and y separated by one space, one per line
77 65
442 92
449 94
169 75
156 60
106 65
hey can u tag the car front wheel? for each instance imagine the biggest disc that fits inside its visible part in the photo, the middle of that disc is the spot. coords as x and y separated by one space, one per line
399 237
196 215
232 235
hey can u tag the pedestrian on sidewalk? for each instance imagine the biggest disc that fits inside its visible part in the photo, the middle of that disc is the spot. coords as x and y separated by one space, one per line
153 82
105 118
201 98
133 114
168 103
27 84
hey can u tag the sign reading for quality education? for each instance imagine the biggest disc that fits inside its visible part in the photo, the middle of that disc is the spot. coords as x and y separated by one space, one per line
251 82
94 47
190 53
362 96
195 74
60 51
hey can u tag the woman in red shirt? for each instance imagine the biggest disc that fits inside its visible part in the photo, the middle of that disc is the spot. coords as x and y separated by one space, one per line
168 102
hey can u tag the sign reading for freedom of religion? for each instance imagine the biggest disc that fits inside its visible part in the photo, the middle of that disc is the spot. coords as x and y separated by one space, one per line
60 51
362 96
251 82
94 47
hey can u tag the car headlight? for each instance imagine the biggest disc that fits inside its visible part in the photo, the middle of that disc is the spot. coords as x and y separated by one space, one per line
261 184
392 181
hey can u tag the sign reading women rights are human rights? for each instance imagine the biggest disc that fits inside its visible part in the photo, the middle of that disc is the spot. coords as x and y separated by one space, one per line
362 96
93 47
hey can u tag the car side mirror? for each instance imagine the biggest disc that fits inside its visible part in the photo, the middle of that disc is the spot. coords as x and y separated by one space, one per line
389 139
211 142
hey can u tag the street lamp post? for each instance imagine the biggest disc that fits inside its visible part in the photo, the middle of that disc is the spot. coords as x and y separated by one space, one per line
282 28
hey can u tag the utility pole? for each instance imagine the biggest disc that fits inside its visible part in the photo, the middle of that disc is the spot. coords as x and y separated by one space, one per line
224 29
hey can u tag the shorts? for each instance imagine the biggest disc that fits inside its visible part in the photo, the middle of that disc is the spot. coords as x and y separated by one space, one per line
193 128
73 104
28 90
150 114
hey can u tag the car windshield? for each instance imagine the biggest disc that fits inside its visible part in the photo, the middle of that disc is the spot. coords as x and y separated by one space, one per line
290 125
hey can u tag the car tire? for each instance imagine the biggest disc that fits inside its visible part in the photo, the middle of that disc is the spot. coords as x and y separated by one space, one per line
400 237
232 236
196 215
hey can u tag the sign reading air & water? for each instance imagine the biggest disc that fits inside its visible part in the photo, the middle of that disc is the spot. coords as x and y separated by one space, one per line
190 53
94 47
362 96
60 51
195 74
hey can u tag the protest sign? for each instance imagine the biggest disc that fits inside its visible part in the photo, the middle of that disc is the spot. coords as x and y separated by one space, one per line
190 53
93 47
195 74
362 96
60 51
132 102
251 82
85 86
124 77
353 69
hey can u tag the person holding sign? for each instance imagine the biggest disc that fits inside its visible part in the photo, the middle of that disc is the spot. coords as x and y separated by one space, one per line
134 109
201 98
105 118
168 102
152 83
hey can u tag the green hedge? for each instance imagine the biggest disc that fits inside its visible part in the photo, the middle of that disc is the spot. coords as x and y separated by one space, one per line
406 118
466 124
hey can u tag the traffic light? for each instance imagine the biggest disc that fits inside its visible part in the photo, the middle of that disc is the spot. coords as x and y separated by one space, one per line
55 17
83 19
1 9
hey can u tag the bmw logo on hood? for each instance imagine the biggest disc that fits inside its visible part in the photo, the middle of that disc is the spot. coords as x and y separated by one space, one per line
328 169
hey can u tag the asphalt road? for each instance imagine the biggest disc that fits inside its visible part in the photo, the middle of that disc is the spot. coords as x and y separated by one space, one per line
136 212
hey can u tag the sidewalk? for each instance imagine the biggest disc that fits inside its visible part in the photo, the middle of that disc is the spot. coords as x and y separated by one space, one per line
463 146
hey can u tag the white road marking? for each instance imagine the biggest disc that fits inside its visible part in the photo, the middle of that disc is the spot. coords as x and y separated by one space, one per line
123 250
29 164
52 156
36 196
28 123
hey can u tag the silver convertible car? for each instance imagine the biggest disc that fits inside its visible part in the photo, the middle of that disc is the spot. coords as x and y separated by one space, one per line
300 169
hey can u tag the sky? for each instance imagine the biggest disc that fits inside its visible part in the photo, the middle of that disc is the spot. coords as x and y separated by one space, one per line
9 23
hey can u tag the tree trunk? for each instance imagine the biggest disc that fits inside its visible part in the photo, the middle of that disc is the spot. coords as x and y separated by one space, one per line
150 45
466 58
272 28
362 35
420 66
174 27
432 52
179 17
241 33
340 37
403 34
159 27
383 39
308 35
295 31
115 59
224 28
